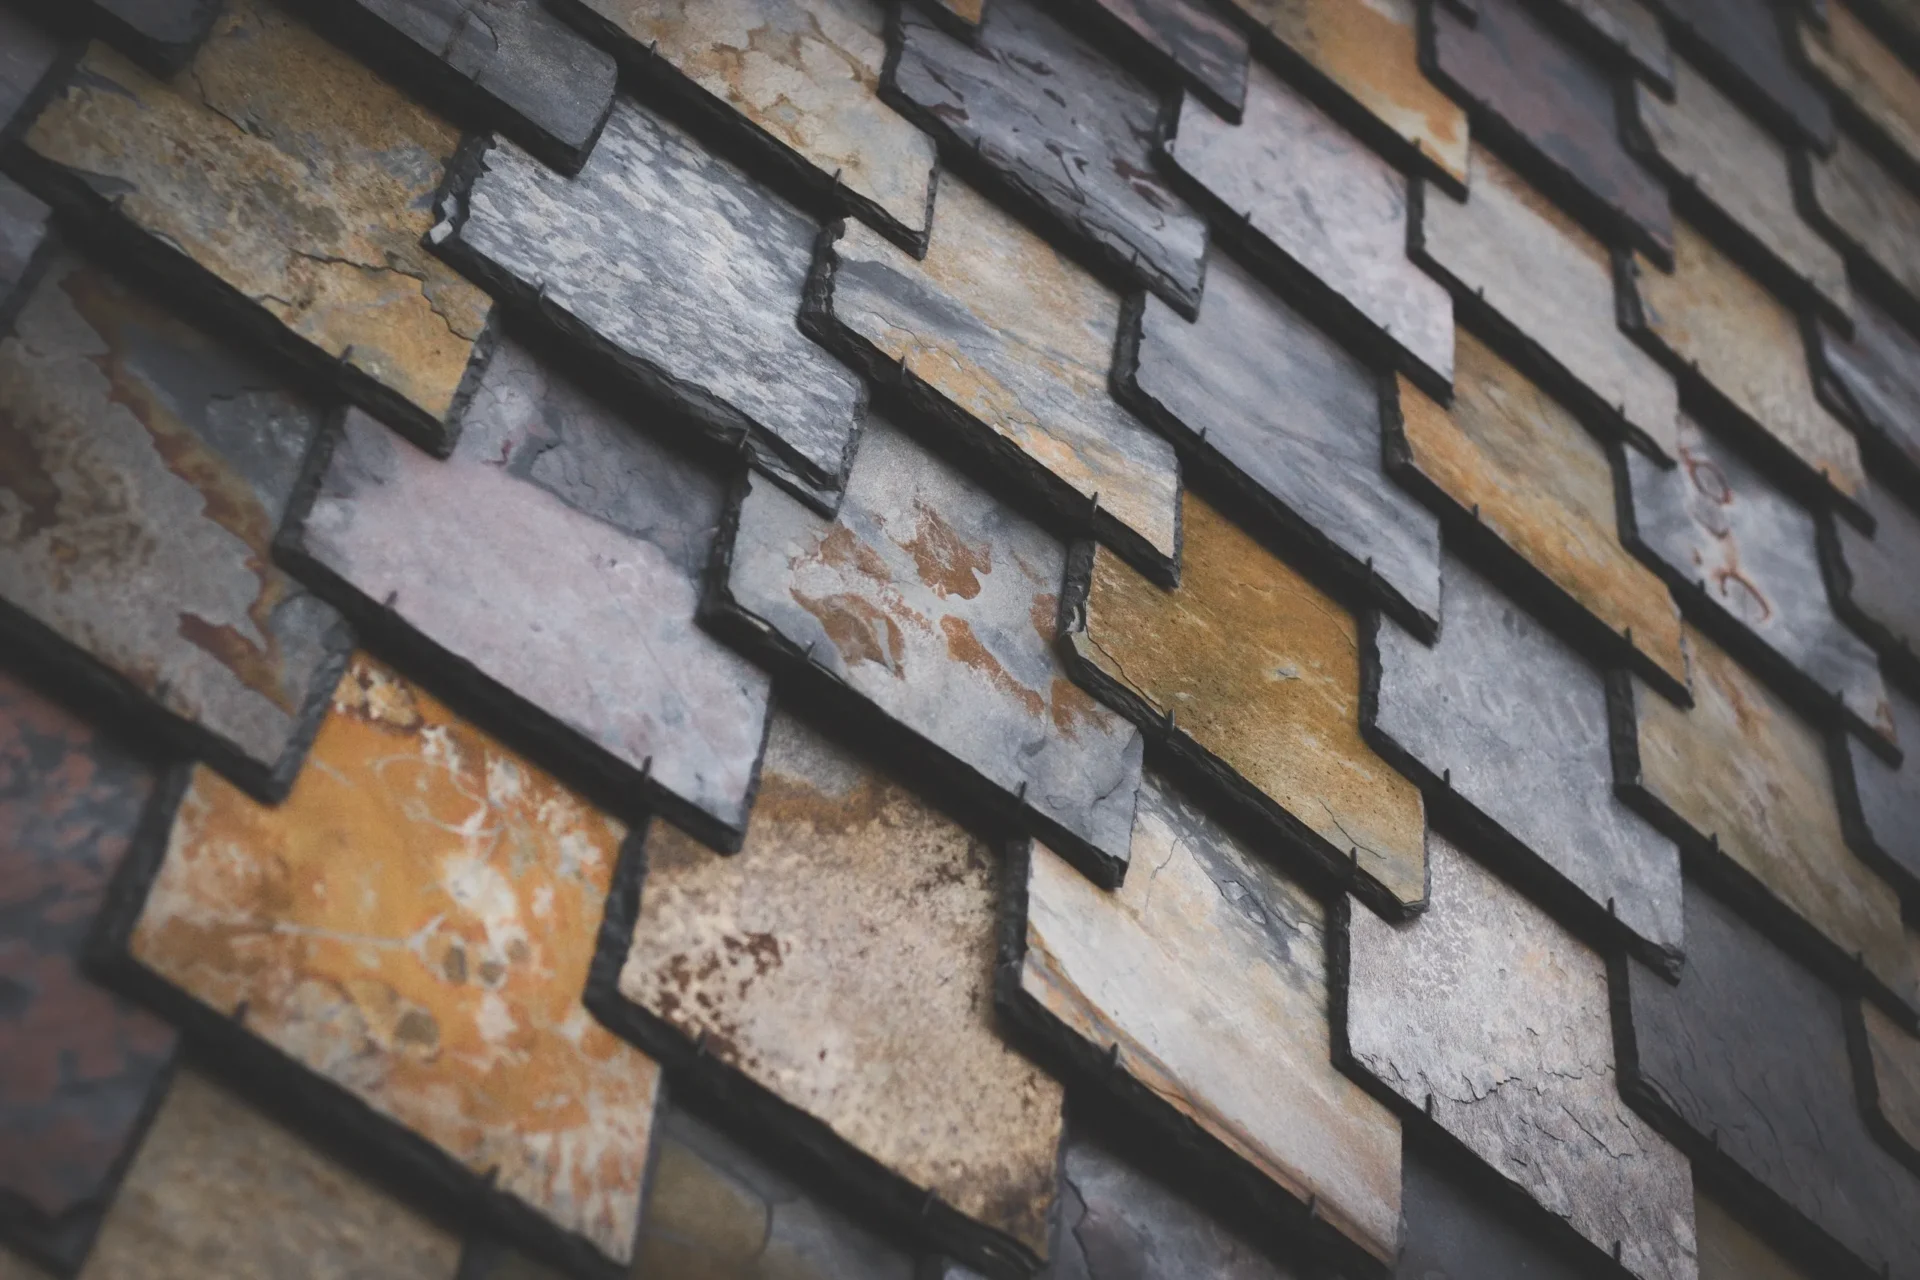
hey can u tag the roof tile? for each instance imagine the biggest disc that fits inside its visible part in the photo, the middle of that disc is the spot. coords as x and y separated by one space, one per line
1743 44
1876 375
1632 29
1874 217
1456 1232
1880 804
1729 1251
29 53
24 246
161 35
1870 78
1191 39
1875 586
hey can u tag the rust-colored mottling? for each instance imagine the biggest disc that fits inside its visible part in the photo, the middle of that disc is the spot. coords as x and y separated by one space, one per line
1536 479
415 923
1262 671
1729 1251
1881 88
843 961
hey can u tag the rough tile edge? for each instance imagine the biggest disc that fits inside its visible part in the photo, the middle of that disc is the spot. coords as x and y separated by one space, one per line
960 28
162 58
1866 1084
59 72
1859 834
1130 50
1733 82
1884 459
1612 53
50 246
1864 272
1899 662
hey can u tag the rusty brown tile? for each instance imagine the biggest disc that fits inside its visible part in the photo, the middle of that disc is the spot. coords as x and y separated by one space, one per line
1188 40
1522 470
1875 218
1744 45
1880 90
1368 56
1632 30
1253 672
799 79
305 224
148 467
1525 271
839 971
1880 802
1887 1061
1874 376
1008 344
1722 330
1729 1251
1320 209
414 926
1875 583
1199 989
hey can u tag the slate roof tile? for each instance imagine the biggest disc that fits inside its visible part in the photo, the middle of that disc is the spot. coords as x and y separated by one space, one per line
25 246
1192 41
1630 28
1874 86
1880 802
1744 46
1875 583
1729 1251
29 56
1872 215
1875 375
1457 1232
1887 1061
161 35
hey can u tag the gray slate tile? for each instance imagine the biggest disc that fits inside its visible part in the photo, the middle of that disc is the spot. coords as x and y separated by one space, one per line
24 244
1456 1233
1876 376
1880 803
1743 45
1190 39
28 54
1872 215
161 35
1632 29
1876 578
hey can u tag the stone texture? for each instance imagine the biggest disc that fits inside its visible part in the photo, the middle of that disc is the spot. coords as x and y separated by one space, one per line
574 600
1729 1251
799 80
1189 39
1875 375
24 246
1554 107
1254 673
1879 88
1745 1064
1742 771
79 1068
1873 216
1743 45
1521 267
29 53
1632 30
148 467
1062 129
841 965
1880 804
1512 461
1874 580
414 925
680 272
1006 344
1324 212
281 179
1368 56
1201 987
1291 420
1493 1018
1888 1062
1507 724
1453 1233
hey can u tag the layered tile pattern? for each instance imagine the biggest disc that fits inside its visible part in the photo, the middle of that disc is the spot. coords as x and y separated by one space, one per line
1875 375
162 35
1871 213
1745 46
1872 576
1630 28
1880 802
1874 85
1456 1232
1192 40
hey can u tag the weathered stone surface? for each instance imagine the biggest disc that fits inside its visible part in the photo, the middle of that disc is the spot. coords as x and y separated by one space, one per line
1632 30
1455 1234
1326 213
1008 344
1742 771
1874 216
148 466
1888 1061
1876 376
1192 40
1516 464
1743 45
1870 78
23 246
681 272
28 55
800 79
1744 1063
1555 107
1721 328
1725 537
1876 579
79 1068
1291 419
1494 1019
1368 55
1200 989
220 1192
415 925
1505 722
574 599
1703 141
1063 129
282 179
1529 273
1880 804
1729 1251
841 965
1254 672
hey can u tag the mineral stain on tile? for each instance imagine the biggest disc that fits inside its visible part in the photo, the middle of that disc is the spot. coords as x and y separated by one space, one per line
1875 84
29 54
1743 45
278 176
1874 216
415 925
1875 375
1193 40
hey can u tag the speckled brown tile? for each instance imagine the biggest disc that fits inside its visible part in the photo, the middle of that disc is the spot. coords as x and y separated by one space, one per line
1493 1019
414 926
1192 41
797 79
1321 210
1007 344
1875 86
1887 1059
1744 45
1875 582
148 466
1875 376
1254 673
1511 461
1873 216
1521 267
280 179
1632 30
1730 1251
1880 803
840 967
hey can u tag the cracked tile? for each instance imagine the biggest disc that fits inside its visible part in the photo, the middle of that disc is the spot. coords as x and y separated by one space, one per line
1875 374
1875 85
1191 40
1871 213
1632 30
1873 580
1745 49
1880 804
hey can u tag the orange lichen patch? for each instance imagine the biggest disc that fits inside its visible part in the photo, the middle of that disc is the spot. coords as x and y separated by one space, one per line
1881 87
415 923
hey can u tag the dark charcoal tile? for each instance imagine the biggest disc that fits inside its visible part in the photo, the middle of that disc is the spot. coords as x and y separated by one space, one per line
1876 578
1880 804
1456 1233
29 54
161 35
1876 375
1743 45
25 246
1873 215
1729 1250
1192 39
1632 30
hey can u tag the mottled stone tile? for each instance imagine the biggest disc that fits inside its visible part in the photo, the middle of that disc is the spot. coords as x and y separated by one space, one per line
1528 273
1006 343
1062 129
1875 375
1728 540
679 271
1252 672
414 926
1511 461
1880 803
282 180
1492 1018
1874 84
799 80
1189 40
839 970
1291 420
1368 57
1871 213
25 246
1744 775
1730 1251
1455 1233
1320 209
1743 44
29 54
1744 1064
1887 1059
1743 175
1199 990
573 601
1632 30
148 467
1875 583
